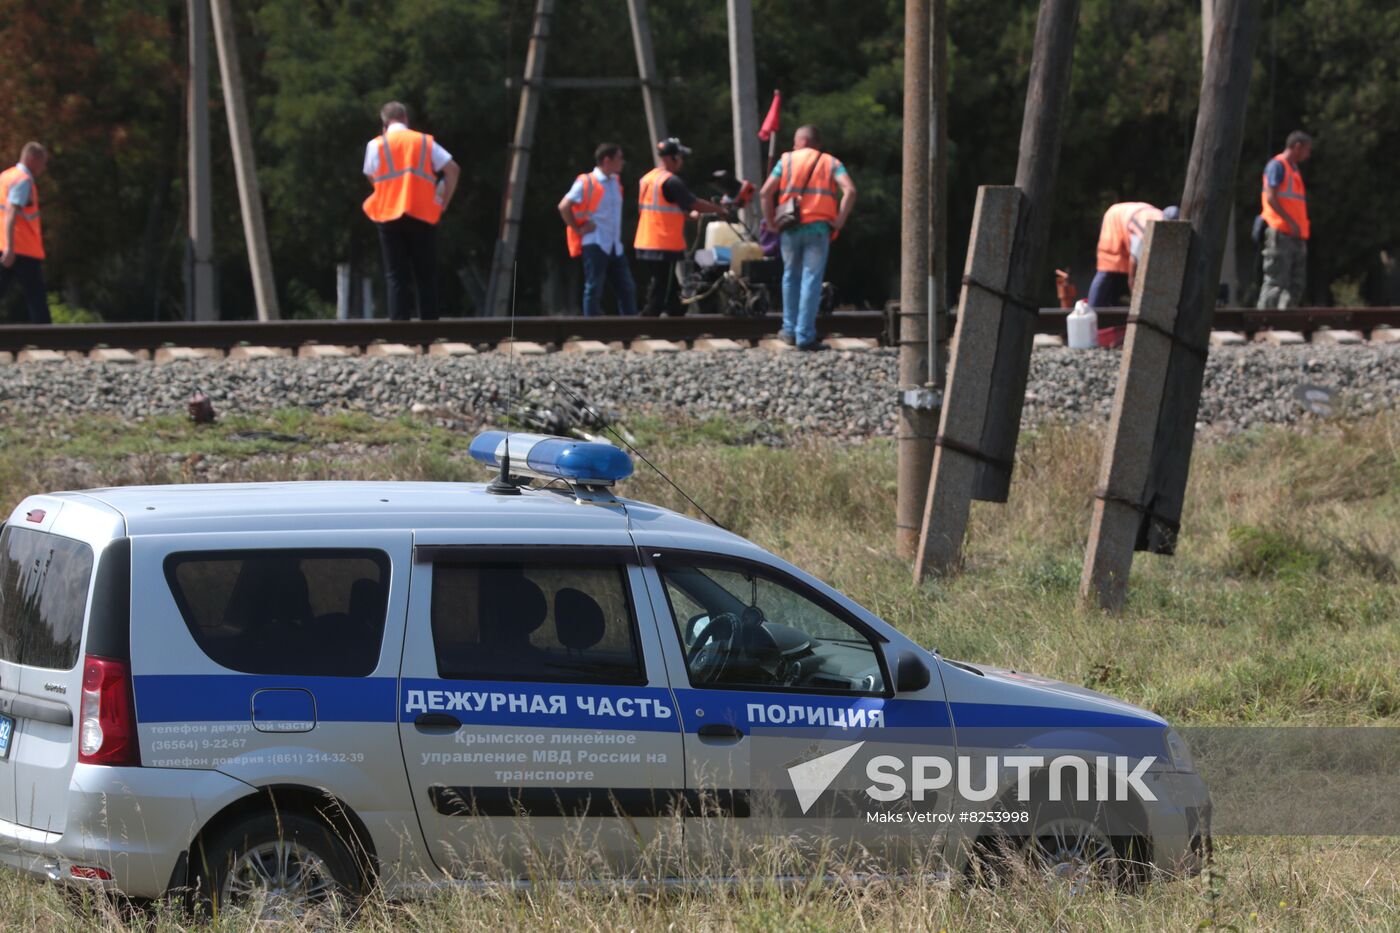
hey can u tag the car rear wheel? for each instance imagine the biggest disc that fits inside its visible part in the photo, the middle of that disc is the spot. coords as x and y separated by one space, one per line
277 866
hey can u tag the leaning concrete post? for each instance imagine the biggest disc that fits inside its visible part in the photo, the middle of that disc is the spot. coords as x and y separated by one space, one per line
956 455
1137 405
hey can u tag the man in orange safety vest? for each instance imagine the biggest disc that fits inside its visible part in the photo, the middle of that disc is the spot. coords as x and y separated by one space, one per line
414 178
22 235
663 203
1284 201
592 212
814 179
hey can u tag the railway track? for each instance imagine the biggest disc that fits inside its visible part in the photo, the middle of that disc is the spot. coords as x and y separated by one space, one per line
556 332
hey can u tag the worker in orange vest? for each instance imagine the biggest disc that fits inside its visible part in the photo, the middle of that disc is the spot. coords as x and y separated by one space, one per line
663 202
812 178
592 212
22 237
1285 213
1120 247
414 178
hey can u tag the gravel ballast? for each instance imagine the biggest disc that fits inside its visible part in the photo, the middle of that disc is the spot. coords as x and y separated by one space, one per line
840 394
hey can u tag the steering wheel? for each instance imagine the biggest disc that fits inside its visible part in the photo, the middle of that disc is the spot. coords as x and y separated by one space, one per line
716 650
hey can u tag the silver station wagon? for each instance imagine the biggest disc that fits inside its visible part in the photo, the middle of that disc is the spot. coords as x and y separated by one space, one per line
297 691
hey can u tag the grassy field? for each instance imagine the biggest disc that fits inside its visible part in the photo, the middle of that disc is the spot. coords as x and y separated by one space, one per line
1281 607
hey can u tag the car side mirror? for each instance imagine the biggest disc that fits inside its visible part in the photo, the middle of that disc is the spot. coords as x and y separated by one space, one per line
911 673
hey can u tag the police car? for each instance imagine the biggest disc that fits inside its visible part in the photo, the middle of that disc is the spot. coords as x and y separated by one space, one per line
294 690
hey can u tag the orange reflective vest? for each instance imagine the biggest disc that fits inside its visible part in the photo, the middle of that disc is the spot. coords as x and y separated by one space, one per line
814 184
405 183
29 233
660 224
582 212
1120 223
1292 197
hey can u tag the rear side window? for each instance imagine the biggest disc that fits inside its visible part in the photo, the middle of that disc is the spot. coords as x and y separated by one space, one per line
43 595
539 621
310 612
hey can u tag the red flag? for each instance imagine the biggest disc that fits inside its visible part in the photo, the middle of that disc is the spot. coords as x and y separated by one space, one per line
771 122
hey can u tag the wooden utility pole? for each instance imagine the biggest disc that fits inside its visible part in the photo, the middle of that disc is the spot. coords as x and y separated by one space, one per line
201 306
245 166
1041 131
498 290
1230 268
743 96
997 418
939 327
1151 499
646 68
918 405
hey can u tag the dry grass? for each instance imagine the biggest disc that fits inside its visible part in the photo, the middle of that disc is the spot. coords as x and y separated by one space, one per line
1281 607
1260 884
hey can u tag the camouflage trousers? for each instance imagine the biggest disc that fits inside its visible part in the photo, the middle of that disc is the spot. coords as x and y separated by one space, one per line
1285 270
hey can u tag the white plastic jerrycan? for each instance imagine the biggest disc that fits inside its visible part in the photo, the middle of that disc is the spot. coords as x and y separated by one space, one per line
1083 326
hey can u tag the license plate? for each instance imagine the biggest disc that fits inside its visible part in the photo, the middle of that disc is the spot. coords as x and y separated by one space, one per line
7 732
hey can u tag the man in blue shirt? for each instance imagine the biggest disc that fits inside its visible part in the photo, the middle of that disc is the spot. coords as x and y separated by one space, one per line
592 212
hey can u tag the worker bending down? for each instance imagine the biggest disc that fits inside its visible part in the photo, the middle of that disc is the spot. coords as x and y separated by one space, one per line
1120 248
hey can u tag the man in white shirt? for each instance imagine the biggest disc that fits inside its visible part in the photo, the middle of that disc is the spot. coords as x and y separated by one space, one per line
592 212
414 178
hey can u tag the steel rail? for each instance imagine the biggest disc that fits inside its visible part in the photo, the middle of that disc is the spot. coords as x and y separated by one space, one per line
1251 320
476 331
557 330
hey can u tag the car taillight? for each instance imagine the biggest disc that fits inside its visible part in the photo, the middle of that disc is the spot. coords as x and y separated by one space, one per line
107 717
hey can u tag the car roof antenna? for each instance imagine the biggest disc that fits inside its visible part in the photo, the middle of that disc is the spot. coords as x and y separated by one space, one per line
607 426
502 485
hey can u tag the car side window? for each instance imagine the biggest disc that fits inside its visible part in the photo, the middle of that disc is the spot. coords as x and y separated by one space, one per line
741 626
550 621
317 612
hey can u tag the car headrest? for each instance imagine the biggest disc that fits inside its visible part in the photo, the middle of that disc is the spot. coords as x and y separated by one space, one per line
270 591
514 608
366 601
578 619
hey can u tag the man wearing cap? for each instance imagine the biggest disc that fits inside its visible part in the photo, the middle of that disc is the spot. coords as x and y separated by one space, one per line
663 201
1120 247
405 167
1285 212
22 236
592 212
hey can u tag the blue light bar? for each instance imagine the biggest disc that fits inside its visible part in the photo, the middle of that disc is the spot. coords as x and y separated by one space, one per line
582 463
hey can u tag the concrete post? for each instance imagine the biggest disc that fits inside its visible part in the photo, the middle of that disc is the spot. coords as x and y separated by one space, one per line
1137 404
957 458
743 95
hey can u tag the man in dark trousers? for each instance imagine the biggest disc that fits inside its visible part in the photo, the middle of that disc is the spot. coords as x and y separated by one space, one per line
405 167
592 213
1284 202
663 202
22 236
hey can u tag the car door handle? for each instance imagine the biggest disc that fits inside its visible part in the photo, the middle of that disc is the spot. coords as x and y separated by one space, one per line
715 730
437 722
